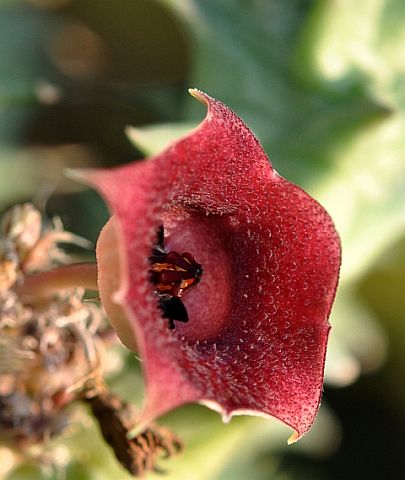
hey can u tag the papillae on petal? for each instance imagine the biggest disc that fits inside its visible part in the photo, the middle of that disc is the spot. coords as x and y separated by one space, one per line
257 332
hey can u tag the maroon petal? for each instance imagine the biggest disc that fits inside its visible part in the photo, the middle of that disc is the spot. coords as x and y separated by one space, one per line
256 337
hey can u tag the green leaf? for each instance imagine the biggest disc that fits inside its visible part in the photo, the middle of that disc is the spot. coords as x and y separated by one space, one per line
23 34
366 194
153 139
356 344
321 84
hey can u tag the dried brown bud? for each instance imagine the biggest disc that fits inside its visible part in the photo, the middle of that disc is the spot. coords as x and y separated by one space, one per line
141 453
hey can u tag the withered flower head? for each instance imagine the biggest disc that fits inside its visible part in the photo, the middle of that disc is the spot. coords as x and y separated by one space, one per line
221 274
47 349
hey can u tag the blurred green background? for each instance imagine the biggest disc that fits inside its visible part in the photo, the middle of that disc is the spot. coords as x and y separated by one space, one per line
322 84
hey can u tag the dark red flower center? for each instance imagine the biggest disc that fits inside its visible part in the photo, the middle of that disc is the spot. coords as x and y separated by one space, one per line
173 275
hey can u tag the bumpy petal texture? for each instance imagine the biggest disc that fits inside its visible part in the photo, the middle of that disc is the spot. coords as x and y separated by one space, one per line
258 325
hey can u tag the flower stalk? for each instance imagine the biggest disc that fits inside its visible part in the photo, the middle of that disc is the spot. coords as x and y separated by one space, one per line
43 285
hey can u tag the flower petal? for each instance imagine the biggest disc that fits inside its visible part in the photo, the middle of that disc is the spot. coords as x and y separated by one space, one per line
257 331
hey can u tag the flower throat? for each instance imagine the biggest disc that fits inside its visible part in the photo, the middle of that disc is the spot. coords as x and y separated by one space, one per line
173 275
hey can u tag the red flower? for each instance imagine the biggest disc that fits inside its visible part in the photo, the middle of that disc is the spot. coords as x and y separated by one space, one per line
226 275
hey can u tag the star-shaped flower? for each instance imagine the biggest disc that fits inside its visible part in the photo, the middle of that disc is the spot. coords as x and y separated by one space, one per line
221 274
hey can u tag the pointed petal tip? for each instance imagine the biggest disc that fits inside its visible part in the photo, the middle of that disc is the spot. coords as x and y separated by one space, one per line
294 437
131 133
137 430
75 174
81 175
199 95
104 181
226 417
